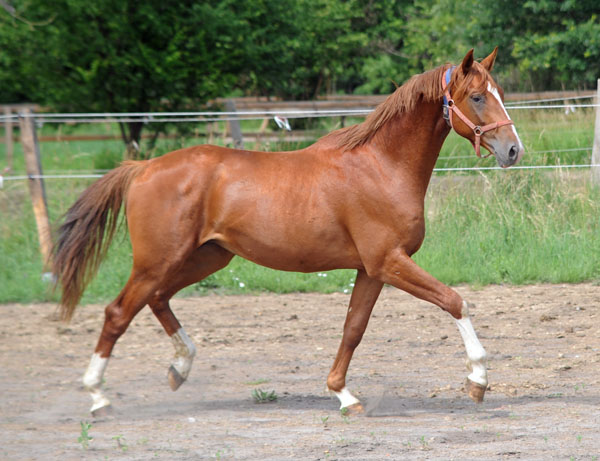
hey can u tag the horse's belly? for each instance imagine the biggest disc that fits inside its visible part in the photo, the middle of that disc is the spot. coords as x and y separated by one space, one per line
299 251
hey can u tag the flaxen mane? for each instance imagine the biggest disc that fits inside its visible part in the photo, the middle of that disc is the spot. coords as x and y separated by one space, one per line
424 87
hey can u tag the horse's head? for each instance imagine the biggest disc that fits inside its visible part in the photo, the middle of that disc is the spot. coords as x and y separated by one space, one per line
473 107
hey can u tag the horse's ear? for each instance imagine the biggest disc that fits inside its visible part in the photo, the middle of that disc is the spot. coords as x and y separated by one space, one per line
467 62
488 62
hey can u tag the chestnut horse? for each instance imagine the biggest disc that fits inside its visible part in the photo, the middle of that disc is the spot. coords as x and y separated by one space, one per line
353 200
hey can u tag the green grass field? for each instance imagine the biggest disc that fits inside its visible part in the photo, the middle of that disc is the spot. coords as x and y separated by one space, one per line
514 226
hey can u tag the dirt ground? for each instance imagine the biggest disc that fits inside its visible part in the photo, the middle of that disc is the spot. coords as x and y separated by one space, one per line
543 403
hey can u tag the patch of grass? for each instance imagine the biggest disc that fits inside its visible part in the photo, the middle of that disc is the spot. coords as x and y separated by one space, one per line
84 438
517 228
107 159
121 445
257 382
261 396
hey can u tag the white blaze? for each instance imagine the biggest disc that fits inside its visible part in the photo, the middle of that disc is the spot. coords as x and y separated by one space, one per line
494 91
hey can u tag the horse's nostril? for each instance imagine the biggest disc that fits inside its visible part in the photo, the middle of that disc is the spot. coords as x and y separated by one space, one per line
512 153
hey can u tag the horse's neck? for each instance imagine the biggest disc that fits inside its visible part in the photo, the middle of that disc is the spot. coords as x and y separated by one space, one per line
412 141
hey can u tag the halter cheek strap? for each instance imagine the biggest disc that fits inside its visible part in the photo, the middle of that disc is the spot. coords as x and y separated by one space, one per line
450 108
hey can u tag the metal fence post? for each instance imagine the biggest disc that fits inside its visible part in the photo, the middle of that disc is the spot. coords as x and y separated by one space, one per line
8 140
596 148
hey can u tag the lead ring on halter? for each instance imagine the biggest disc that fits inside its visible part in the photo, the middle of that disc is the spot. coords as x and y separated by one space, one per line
450 108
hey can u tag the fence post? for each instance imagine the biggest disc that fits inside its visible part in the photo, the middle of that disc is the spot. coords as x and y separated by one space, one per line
8 137
31 149
596 148
234 126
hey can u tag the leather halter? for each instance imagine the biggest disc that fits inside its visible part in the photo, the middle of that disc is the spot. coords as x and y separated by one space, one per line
451 108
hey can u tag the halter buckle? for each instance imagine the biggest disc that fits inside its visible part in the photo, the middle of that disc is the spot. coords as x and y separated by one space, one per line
446 113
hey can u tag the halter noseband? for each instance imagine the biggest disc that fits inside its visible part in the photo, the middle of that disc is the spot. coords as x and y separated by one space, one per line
450 108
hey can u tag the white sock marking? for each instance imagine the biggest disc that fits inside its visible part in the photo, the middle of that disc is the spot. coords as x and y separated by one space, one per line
346 398
475 351
184 352
92 380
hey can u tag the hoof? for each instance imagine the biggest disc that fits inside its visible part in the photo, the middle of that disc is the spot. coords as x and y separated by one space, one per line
175 379
102 412
476 391
353 410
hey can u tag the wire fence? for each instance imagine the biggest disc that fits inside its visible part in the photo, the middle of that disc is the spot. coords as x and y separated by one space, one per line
438 170
212 116
217 116
532 101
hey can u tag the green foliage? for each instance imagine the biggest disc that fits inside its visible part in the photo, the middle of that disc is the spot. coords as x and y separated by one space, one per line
160 55
121 444
296 55
521 228
261 396
122 56
377 72
84 438
17 73
131 56
544 45
107 159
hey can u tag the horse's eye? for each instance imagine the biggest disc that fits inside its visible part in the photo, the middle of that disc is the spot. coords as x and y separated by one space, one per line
477 98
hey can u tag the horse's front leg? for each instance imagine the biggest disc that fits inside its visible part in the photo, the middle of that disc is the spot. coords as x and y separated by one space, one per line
477 381
399 270
364 296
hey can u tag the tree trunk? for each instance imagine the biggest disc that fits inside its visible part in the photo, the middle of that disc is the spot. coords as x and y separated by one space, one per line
131 134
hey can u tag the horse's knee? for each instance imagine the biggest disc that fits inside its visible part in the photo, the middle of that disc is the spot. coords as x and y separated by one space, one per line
336 382
353 335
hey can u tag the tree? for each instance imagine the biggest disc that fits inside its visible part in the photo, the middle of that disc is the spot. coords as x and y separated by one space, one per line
16 84
545 45
297 49
125 56
168 55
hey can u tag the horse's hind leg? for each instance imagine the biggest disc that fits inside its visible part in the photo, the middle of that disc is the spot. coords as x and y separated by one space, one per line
118 316
364 295
204 261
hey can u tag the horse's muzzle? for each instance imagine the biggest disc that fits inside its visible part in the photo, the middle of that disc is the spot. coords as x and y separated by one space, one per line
508 155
